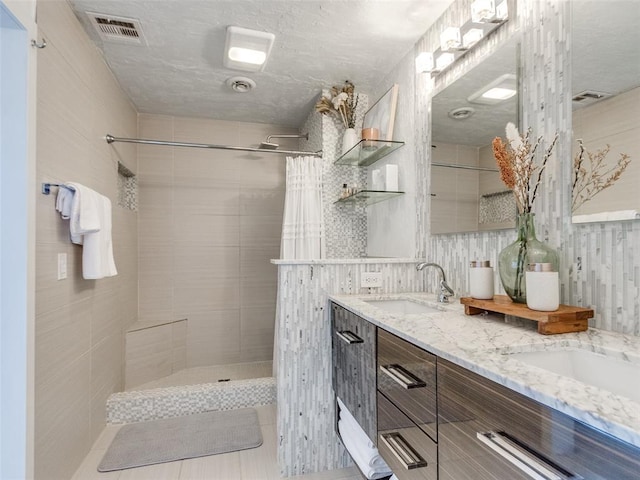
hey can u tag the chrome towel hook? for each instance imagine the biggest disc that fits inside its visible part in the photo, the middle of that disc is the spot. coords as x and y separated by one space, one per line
43 44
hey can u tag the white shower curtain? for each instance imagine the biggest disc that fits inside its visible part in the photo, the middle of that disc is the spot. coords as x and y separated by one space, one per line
302 224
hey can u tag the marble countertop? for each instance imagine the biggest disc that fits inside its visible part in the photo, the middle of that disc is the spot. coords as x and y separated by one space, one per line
481 343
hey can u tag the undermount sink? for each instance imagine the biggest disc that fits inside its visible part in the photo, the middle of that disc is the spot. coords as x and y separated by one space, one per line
606 372
402 307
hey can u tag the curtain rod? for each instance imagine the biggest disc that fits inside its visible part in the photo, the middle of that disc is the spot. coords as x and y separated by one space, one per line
111 139
464 167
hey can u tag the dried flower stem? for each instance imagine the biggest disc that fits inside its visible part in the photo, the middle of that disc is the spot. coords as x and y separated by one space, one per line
588 182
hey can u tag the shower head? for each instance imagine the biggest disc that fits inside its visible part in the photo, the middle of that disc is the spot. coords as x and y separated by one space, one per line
269 145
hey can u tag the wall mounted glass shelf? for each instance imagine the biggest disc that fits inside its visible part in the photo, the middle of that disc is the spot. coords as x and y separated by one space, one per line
369 197
367 152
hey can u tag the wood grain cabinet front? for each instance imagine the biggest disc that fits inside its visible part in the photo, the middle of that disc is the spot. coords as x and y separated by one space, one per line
353 341
489 432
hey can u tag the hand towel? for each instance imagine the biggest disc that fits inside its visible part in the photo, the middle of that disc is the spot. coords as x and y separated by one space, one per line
85 212
64 202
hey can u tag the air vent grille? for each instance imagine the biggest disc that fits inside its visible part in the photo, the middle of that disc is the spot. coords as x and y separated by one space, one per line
117 29
590 96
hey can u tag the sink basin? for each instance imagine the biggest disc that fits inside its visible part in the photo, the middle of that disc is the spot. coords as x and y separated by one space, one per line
402 307
607 372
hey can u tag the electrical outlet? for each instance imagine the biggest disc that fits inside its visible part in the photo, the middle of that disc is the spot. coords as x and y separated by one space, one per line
371 280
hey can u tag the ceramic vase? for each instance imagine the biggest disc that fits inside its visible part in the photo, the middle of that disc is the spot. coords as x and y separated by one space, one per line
349 140
513 260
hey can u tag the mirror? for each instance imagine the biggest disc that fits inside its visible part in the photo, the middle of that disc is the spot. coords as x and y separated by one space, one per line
467 194
606 101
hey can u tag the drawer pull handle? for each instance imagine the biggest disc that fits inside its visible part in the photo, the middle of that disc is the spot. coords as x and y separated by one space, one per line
523 457
349 337
402 376
404 452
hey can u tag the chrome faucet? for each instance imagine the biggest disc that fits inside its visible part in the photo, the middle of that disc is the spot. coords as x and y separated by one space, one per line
445 290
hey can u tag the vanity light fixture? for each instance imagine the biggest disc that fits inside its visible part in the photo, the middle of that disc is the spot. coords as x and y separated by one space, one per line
424 62
246 49
501 89
450 39
486 16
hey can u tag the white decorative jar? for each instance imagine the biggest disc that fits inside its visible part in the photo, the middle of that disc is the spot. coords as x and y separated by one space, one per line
481 280
543 287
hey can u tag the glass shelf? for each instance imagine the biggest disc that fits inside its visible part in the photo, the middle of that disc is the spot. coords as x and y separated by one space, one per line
367 152
369 197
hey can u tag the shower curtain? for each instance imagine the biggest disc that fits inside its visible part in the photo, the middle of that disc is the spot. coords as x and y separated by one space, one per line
302 223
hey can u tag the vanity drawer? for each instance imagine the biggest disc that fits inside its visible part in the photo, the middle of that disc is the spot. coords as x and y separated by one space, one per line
484 427
407 377
354 366
409 452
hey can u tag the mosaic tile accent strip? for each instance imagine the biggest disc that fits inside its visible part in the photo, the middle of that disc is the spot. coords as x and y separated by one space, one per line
158 403
307 442
127 188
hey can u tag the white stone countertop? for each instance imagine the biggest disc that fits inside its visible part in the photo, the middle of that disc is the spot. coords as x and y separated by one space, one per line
481 343
347 261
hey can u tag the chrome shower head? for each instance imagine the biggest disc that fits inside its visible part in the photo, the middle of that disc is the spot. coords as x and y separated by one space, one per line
268 146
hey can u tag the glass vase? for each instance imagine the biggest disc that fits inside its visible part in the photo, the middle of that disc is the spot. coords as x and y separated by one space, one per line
514 259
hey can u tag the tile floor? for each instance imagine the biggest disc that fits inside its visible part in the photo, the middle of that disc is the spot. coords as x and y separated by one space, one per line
254 464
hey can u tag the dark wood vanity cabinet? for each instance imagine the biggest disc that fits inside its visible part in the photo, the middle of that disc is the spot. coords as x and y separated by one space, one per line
407 413
434 420
487 431
353 341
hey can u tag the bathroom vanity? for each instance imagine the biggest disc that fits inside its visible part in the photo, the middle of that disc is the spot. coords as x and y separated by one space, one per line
451 405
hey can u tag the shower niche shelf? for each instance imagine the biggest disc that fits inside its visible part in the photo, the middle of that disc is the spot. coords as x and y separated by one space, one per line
369 197
368 152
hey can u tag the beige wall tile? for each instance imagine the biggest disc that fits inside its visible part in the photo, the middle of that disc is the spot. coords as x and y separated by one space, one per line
78 320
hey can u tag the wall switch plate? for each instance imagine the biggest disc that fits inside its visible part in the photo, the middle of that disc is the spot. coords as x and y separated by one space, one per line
62 266
371 280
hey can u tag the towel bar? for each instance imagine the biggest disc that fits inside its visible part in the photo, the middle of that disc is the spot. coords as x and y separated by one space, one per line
46 187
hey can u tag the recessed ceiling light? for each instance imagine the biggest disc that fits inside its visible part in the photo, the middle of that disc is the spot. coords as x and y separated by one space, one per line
247 49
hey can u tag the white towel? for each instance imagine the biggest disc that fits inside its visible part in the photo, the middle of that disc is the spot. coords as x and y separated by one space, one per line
64 202
90 226
354 444
352 423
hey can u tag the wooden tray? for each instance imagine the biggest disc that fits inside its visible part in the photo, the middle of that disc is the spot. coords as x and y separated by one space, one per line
565 319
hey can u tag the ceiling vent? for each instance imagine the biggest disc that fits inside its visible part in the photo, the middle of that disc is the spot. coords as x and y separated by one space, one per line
117 29
590 96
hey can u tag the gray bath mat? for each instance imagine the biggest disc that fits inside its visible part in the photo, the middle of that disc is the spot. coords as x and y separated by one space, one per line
171 439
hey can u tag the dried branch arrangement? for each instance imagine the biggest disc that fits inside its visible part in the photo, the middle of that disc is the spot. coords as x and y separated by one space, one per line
590 180
516 162
342 102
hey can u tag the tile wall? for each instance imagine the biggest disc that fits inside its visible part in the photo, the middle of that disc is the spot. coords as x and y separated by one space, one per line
209 222
306 438
80 324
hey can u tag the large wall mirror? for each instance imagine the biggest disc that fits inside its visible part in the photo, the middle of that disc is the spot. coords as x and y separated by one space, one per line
605 48
467 194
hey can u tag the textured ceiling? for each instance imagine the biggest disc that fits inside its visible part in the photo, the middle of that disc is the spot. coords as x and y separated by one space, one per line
318 44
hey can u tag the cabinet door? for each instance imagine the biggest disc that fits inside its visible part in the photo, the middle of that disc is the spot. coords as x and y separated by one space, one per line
354 367
407 377
487 431
410 453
